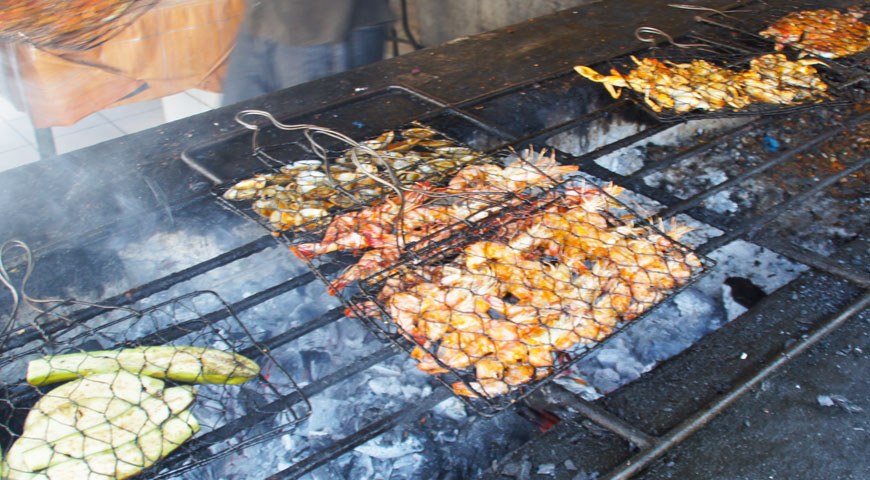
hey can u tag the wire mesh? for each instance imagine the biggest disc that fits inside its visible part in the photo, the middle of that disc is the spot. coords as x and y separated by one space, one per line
295 198
834 32
155 393
827 33
675 85
828 30
427 216
499 298
68 24
742 62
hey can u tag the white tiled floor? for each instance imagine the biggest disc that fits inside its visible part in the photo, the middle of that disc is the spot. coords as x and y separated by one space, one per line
18 142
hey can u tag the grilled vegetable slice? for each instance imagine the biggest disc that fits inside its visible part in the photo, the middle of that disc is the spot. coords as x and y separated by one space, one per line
127 459
121 384
64 410
113 432
179 363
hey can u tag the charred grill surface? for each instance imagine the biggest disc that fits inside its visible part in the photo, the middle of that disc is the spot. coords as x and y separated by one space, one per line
792 187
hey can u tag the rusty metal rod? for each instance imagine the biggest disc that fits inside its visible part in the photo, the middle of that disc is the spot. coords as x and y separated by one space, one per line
815 260
637 176
635 464
776 160
751 226
603 418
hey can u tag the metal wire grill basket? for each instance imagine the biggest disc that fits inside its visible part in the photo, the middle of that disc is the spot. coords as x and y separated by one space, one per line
754 59
676 85
498 303
153 392
836 32
307 181
67 24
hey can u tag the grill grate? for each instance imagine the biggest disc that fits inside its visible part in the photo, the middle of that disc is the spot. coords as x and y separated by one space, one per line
725 67
431 256
229 417
736 98
504 307
306 183
428 224
824 30
540 129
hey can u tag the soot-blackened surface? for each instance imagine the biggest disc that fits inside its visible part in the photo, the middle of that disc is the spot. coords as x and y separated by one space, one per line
810 421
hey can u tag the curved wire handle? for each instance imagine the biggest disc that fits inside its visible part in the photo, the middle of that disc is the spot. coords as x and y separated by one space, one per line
392 182
706 9
19 294
650 33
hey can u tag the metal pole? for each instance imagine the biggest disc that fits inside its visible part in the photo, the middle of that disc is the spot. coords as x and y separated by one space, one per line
694 423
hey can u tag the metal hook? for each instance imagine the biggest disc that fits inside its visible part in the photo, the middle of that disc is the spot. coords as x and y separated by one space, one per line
251 126
705 9
651 31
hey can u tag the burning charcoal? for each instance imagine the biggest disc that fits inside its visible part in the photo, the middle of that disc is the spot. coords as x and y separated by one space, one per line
510 469
381 448
452 408
525 469
410 467
839 401
314 360
585 476
362 467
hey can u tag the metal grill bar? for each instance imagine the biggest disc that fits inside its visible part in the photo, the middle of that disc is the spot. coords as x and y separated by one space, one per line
182 329
694 423
146 290
360 437
751 226
200 444
601 417
653 167
776 160
307 327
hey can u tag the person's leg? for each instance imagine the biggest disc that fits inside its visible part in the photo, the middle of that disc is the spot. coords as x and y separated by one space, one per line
250 72
366 45
295 65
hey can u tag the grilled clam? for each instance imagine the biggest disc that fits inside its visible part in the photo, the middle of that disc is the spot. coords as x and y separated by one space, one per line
306 190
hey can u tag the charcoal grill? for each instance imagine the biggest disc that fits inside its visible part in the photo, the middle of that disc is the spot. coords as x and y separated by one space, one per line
789 180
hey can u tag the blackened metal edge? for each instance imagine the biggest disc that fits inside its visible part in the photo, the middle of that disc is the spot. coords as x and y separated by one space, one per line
144 291
696 200
695 422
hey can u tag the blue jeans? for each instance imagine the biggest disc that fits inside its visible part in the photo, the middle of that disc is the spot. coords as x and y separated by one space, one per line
258 66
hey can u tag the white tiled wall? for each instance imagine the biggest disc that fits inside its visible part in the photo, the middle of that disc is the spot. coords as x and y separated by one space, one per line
18 142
